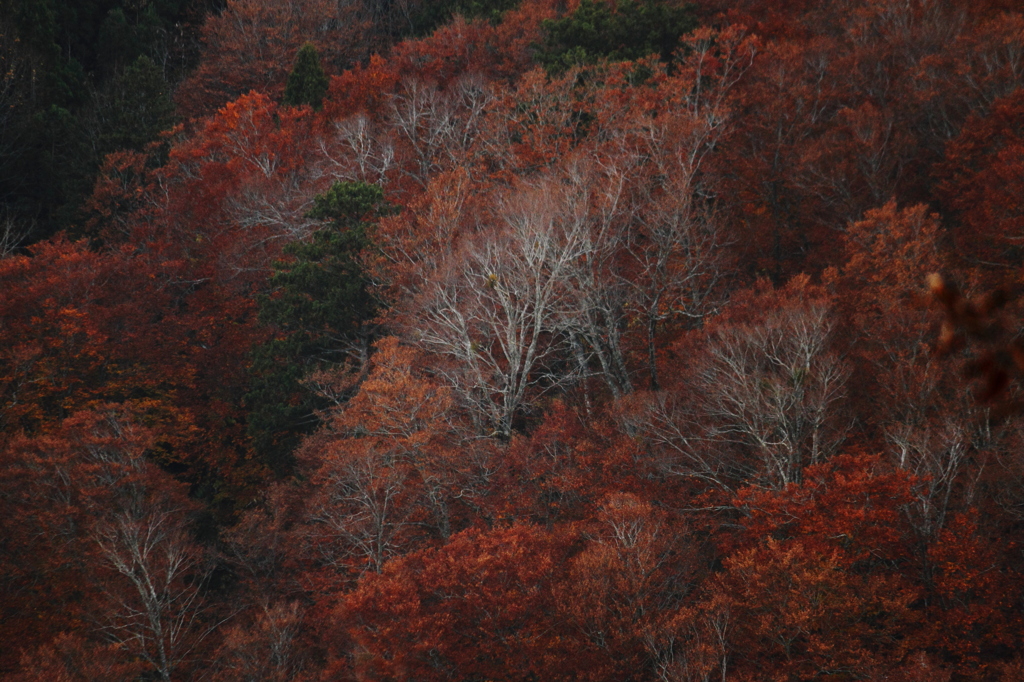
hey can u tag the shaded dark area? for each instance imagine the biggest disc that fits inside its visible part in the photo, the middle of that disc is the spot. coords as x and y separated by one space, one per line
82 79
620 31
428 16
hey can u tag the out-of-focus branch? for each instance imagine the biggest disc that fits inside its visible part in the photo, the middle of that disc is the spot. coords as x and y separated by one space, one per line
979 324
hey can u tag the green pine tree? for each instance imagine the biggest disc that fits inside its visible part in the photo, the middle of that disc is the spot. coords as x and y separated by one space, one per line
136 107
630 30
307 83
320 307
431 15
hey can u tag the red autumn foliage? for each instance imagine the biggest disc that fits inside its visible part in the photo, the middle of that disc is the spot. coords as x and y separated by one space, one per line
482 606
815 577
639 326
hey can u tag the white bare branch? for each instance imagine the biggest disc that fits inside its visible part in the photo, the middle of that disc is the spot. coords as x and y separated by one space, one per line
774 389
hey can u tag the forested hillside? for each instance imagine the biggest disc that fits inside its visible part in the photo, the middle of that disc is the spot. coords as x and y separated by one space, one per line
478 340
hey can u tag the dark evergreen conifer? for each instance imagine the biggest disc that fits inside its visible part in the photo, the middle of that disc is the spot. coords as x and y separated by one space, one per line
137 107
320 307
307 83
629 30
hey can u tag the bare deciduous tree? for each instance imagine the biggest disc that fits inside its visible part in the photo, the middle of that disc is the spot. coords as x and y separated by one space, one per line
594 204
494 311
357 516
356 152
438 127
263 650
152 574
678 255
12 233
773 390
671 424
159 598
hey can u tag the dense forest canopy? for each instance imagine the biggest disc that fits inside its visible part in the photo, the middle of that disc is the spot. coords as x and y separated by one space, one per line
511 340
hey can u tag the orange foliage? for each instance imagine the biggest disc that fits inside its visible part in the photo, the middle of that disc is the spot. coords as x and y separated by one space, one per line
480 607
814 582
